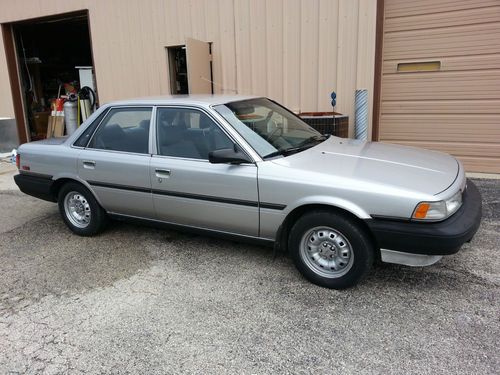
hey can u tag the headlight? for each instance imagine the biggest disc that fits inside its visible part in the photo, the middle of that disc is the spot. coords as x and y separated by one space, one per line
454 203
438 210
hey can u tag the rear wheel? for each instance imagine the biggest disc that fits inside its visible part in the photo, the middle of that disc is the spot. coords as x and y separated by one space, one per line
330 249
80 210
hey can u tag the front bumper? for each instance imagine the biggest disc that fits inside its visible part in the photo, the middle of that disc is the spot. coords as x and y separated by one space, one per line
434 238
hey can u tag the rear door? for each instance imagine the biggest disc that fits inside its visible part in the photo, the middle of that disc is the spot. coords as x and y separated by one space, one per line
117 159
187 188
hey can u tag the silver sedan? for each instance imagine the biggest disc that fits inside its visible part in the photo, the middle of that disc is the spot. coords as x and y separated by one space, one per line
247 168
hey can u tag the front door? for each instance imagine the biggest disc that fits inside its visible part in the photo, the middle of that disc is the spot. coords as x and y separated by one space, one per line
188 189
117 160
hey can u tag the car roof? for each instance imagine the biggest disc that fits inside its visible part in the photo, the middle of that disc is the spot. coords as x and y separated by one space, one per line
199 100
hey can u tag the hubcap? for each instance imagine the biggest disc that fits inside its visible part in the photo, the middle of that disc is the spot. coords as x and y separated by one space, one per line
77 209
327 252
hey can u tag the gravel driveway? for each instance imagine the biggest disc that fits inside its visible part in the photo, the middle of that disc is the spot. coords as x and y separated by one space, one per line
142 300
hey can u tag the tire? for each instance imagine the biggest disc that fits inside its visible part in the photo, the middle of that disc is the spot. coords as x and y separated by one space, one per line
330 249
80 210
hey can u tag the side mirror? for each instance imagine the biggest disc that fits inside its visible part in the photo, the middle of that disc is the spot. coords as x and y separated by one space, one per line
228 156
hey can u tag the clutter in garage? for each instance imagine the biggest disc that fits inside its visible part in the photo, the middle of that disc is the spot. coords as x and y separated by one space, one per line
56 73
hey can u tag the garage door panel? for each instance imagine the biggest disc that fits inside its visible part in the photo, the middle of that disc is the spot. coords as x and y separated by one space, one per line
440 85
458 148
455 109
450 64
480 164
456 128
453 18
462 106
448 41
471 163
399 8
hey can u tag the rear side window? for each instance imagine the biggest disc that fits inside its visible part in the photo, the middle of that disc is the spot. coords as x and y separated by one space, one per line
84 139
124 129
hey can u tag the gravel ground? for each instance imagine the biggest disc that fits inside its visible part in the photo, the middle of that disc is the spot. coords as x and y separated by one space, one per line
142 300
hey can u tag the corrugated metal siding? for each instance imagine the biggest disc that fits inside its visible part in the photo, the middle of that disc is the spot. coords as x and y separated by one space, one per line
455 109
294 51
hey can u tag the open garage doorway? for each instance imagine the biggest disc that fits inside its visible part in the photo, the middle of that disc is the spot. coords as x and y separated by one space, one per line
53 59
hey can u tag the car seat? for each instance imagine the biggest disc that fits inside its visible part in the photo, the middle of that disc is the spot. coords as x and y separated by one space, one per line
173 143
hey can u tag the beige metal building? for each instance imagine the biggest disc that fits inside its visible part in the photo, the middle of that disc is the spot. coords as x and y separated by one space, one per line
431 67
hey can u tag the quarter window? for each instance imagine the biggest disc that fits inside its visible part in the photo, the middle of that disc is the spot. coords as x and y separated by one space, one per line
188 133
124 129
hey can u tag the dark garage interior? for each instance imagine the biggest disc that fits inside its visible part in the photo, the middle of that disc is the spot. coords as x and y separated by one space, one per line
48 50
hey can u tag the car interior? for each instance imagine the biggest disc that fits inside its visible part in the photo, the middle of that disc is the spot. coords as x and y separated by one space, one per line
188 133
130 139
181 133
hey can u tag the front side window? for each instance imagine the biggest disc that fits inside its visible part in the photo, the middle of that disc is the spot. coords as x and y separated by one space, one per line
124 129
188 133
269 128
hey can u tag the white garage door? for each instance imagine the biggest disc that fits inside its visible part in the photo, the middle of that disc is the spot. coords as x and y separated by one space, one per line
441 78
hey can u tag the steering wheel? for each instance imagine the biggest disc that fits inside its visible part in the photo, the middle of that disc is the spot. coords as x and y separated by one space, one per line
275 134
269 115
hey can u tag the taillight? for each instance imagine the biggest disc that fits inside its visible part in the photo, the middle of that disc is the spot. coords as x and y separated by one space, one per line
18 161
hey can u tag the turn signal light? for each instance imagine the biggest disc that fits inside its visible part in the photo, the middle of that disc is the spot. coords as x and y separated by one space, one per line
433 210
421 211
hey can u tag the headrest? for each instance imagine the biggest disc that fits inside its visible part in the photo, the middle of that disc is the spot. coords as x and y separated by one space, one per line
205 122
112 132
166 116
144 124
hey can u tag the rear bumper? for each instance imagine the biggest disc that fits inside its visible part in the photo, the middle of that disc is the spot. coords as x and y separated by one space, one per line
38 186
439 238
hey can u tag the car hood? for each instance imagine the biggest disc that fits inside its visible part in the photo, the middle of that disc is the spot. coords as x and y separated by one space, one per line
378 164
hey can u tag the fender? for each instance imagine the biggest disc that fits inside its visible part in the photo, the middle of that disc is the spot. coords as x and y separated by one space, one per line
329 201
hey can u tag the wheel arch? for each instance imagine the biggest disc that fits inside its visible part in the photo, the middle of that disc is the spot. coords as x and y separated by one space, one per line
299 211
62 180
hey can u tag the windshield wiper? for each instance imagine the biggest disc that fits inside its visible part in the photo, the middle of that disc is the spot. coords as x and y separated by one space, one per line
313 139
273 154
305 144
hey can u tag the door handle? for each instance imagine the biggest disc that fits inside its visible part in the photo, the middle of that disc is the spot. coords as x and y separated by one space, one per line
88 164
162 173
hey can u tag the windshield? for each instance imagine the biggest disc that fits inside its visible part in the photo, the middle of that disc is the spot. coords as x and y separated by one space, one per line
269 128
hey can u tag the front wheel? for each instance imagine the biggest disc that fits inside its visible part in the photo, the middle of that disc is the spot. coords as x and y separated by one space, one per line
330 249
80 210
